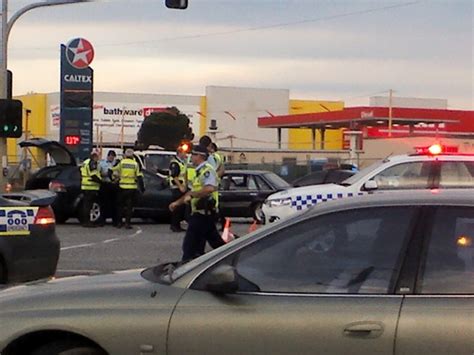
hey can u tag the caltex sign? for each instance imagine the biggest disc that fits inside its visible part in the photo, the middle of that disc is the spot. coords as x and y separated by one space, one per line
79 53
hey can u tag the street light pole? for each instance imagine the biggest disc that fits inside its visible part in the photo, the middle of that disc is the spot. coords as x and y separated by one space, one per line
6 27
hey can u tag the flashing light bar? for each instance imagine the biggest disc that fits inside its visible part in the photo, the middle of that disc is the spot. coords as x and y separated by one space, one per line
437 149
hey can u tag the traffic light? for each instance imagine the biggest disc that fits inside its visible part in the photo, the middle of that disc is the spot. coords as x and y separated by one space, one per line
11 114
177 4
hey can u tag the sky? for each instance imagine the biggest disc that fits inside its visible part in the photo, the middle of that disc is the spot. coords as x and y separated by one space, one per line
318 49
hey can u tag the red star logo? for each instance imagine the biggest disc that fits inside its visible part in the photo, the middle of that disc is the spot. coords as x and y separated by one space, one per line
80 53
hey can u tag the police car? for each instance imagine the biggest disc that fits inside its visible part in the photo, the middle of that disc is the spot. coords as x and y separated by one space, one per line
29 246
432 167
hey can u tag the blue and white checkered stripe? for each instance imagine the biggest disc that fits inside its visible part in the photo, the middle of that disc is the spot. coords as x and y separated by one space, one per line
304 201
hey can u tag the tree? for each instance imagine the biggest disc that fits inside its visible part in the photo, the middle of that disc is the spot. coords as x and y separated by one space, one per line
166 129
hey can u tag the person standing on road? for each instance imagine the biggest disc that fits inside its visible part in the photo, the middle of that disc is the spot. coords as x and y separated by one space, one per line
204 200
131 180
218 158
90 186
178 183
108 194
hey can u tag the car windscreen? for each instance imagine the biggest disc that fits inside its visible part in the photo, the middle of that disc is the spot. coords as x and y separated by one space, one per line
277 181
154 162
353 179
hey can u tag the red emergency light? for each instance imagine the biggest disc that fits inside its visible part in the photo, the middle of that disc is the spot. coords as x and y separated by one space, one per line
72 140
437 149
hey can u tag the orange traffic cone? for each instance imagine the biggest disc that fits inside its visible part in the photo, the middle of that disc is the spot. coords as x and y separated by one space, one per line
253 226
227 235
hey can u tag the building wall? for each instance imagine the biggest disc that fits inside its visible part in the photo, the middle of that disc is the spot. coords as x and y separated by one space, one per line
236 111
111 109
301 138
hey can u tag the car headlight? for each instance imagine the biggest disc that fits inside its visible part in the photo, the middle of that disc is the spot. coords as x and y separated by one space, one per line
279 202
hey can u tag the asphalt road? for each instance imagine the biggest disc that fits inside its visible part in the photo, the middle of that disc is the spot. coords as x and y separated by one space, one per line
96 250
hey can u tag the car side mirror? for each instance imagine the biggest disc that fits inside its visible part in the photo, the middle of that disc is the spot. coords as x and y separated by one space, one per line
371 185
223 279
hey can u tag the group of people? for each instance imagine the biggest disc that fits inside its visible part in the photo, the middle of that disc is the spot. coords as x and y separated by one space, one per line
194 182
114 184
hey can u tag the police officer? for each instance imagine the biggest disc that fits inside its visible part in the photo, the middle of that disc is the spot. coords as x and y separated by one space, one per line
109 189
204 204
218 158
90 186
131 179
179 185
215 159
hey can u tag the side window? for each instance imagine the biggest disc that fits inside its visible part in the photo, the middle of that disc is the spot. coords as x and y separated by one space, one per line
225 182
262 185
456 174
152 181
237 182
448 266
346 252
251 184
405 176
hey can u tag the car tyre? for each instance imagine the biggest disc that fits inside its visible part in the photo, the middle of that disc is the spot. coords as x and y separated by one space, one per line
67 347
95 213
3 272
258 213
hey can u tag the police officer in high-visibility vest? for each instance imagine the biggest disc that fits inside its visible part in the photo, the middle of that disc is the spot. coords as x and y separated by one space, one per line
204 200
214 158
130 180
218 158
90 186
179 184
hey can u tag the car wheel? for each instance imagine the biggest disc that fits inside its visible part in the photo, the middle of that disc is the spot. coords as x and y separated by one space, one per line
67 347
3 272
60 218
95 212
258 213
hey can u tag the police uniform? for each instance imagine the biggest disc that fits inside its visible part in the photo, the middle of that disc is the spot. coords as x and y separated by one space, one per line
90 186
178 169
131 178
202 227
108 194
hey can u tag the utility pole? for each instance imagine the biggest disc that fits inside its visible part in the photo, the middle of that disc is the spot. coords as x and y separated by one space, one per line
390 104
5 28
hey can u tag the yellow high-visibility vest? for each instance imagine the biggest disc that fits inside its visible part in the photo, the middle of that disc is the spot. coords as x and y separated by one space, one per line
86 173
129 171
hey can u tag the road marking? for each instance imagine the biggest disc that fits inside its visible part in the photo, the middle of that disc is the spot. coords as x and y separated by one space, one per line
110 240
138 232
78 246
72 270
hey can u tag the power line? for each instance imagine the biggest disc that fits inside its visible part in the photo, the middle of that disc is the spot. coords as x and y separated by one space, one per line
248 29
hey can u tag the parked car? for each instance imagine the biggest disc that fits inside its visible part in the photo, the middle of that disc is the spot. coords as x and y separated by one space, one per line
242 192
29 247
433 167
329 176
360 276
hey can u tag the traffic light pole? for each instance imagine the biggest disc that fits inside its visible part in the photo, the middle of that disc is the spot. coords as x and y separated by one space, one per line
6 27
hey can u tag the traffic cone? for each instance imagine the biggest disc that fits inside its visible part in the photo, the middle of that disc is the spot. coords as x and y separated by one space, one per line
227 235
253 226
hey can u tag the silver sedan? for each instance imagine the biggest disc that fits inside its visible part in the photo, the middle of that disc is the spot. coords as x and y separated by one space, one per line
390 273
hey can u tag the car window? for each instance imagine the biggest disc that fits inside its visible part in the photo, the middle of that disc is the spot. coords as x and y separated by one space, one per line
251 184
413 175
346 252
277 181
262 184
152 181
448 266
456 174
237 182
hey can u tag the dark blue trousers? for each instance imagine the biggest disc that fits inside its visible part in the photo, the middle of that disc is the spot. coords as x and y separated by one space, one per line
201 228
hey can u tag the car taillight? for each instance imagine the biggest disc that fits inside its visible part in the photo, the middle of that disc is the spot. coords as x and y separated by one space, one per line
45 216
56 186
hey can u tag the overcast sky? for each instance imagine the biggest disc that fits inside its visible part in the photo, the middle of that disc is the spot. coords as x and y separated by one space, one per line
319 49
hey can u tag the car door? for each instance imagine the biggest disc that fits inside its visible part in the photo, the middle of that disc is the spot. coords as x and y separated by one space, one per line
237 195
324 285
156 198
439 317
